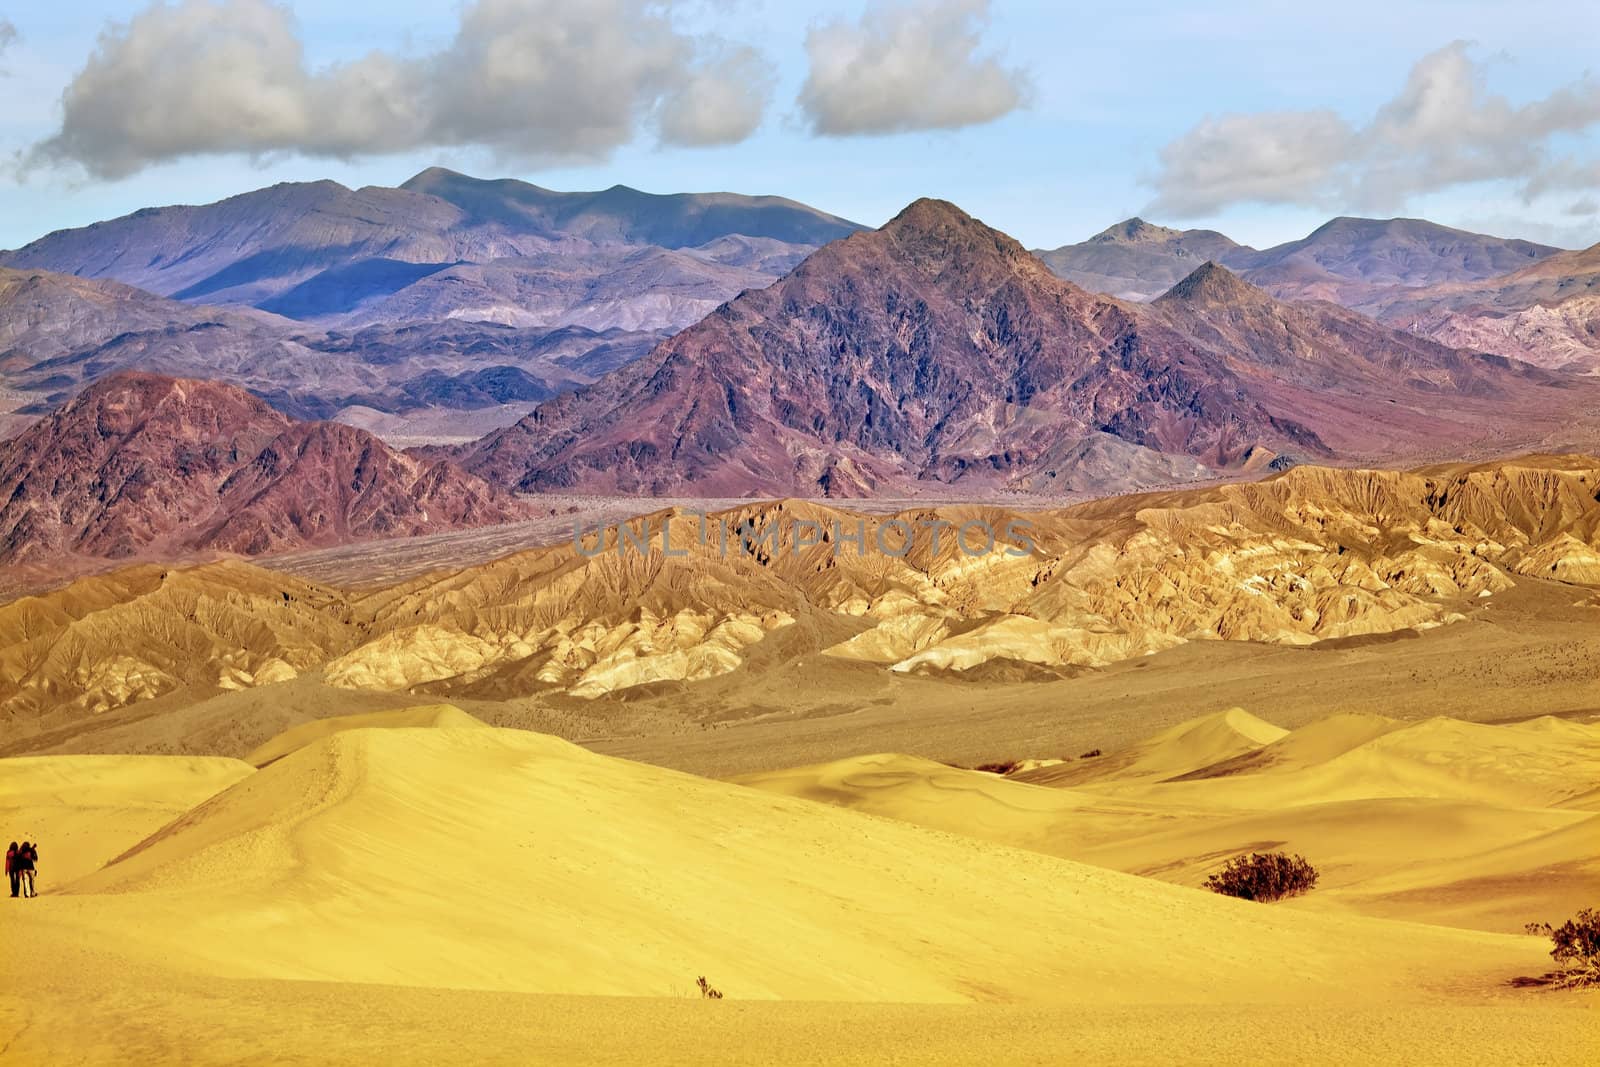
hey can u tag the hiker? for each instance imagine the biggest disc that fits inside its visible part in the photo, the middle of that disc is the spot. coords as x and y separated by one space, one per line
27 860
13 874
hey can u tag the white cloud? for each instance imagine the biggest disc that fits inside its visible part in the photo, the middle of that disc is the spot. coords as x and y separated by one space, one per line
537 81
1563 175
905 68
1443 128
721 103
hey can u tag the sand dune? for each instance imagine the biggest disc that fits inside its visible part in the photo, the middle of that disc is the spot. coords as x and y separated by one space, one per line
1062 822
1187 747
84 810
1438 861
1307 746
1514 765
440 716
1484 827
412 884
494 859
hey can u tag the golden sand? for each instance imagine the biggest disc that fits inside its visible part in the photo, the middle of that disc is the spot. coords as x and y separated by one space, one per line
414 884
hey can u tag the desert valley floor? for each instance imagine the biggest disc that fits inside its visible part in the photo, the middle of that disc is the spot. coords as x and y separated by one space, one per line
391 841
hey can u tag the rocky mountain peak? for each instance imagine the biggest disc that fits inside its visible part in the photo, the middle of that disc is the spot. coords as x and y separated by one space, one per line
936 235
1136 231
1213 285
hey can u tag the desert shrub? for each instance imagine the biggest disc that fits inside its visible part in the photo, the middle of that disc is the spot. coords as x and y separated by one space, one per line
1000 767
1576 947
707 991
1091 754
1264 876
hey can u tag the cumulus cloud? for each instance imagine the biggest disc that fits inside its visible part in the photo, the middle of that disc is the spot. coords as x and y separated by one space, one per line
537 81
722 102
1442 128
901 68
1563 175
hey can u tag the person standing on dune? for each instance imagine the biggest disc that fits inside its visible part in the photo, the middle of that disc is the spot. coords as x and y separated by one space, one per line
27 861
13 874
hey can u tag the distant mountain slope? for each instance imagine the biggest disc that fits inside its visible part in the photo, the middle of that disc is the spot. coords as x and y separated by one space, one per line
321 252
620 215
1350 261
1137 260
1376 393
937 350
1514 298
612 287
1320 345
59 333
45 316
140 463
1547 313
1355 261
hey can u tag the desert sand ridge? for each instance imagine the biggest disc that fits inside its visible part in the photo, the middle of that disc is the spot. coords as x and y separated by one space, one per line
1443 821
1184 748
1298 749
578 873
439 716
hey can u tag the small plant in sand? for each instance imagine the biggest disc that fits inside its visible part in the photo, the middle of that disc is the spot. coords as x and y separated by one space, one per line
1091 754
1577 948
998 767
1264 876
707 991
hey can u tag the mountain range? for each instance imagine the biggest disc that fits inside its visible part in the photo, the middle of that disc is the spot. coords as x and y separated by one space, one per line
261 287
1345 260
937 350
280 277
530 340
59 332
1511 297
319 252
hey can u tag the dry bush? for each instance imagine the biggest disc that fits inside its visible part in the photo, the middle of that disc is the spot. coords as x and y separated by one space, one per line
1091 754
1576 948
1264 876
999 767
706 990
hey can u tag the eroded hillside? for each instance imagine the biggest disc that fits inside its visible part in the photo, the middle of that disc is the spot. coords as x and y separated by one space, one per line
1309 555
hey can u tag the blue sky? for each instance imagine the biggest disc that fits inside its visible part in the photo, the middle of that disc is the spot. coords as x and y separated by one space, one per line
1122 109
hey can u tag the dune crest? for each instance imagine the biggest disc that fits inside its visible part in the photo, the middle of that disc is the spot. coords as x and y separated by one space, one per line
1440 821
1184 748
497 859
437 716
